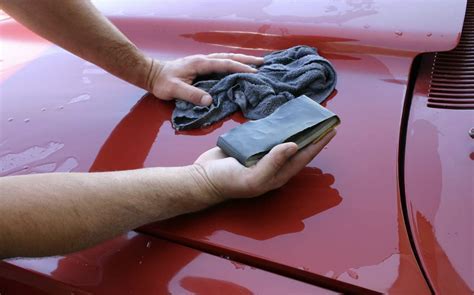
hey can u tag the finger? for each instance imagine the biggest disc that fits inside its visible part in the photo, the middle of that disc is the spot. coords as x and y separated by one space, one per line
211 65
212 154
243 58
271 163
302 158
192 94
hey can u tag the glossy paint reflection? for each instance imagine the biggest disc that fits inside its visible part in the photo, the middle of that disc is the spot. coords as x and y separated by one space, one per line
377 23
138 264
325 221
344 202
53 138
439 190
19 46
339 218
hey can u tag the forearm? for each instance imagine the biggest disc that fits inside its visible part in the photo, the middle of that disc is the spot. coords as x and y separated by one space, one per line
47 214
77 26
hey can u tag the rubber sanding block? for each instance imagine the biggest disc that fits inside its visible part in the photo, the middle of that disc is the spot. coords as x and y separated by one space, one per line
300 120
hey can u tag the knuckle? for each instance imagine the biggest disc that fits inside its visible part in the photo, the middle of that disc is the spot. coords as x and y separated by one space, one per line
228 62
174 84
195 96
278 161
198 60
171 88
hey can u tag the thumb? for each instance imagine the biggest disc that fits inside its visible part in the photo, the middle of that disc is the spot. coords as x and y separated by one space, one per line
272 162
192 94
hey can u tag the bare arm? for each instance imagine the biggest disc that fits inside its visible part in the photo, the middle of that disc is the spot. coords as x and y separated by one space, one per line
46 214
77 26
52 214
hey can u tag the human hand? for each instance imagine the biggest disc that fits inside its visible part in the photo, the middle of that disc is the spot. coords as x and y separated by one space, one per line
172 79
224 177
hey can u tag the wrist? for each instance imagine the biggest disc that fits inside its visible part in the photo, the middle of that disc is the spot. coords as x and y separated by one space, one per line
154 69
173 191
206 190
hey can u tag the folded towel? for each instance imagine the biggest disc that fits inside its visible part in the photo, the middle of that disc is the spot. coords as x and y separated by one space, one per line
284 75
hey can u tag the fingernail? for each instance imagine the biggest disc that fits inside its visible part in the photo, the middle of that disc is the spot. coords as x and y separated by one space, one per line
206 100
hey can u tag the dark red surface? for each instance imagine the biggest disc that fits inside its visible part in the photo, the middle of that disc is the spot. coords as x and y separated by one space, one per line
139 264
340 218
439 189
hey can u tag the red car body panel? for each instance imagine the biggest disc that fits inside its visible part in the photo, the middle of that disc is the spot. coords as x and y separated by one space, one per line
439 189
338 223
139 264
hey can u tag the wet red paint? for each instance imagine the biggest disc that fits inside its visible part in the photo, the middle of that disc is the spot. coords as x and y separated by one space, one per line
340 218
439 189
139 264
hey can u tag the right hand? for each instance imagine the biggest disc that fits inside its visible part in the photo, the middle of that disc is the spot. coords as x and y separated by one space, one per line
173 79
224 177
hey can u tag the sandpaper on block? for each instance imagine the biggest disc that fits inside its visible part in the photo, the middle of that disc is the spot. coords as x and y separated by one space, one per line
300 120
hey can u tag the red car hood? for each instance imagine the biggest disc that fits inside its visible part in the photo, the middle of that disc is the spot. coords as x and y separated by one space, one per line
339 221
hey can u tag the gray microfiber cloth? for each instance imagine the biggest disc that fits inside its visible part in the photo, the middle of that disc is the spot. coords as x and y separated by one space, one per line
284 75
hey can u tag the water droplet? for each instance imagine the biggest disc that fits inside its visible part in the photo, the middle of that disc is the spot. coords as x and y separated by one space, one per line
366 26
68 165
26 167
10 162
10 119
148 244
399 33
330 274
352 274
238 265
140 262
43 109
82 97
44 168
26 120
61 107
94 71
429 34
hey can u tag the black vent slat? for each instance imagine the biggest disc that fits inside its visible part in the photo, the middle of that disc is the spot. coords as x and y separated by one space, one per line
441 89
448 85
459 96
454 81
450 106
451 101
452 76
450 65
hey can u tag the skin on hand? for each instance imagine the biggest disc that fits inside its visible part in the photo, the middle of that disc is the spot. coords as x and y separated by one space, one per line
226 178
172 79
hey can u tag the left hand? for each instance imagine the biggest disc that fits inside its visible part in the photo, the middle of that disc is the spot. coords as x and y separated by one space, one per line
172 79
